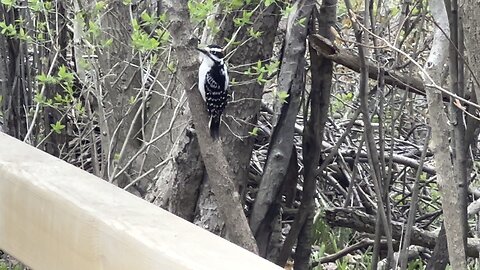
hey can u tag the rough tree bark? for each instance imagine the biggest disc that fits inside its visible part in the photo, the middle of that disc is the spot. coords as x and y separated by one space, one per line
313 132
280 148
241 113
121 83
177 186
51 115
219 172
12 83
471 25
198 203
459 148
440 139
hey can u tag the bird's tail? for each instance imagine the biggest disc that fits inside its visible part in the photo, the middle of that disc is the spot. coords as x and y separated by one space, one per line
214 126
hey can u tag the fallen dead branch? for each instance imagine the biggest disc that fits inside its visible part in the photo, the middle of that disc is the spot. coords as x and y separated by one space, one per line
362 222
350 60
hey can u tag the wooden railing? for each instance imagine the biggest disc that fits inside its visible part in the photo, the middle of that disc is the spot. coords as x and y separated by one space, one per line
56 216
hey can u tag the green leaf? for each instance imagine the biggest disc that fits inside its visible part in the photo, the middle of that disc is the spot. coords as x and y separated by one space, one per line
245 19
163 18
272 67
267 3
282 96
46 79
57 127
142 42
8 30
107 43
302 21
93 29
36 5
260 79
100 5
199 10
163 35
147 18
3 266
171 67
235 4
79 108
131 100
48 6
8 3
234 43
39 98
253 33
64 75
259 65
288 9
254 132
58 98
22 35
135 25
394 11
154 59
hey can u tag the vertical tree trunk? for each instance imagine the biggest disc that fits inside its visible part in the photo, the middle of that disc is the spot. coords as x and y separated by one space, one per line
241 114
178 184
123 123
240 118
314 128
219 172
459 147
13 99
291 80
52 115
440 140
471 25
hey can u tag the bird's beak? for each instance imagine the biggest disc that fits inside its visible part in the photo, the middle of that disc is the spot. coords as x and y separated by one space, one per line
202 50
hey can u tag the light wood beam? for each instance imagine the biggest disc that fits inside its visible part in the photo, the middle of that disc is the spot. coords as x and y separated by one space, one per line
56 216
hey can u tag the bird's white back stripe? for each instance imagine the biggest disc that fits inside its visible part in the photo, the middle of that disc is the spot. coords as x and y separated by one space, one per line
216 49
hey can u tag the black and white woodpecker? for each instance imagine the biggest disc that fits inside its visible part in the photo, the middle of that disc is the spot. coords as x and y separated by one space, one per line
213 85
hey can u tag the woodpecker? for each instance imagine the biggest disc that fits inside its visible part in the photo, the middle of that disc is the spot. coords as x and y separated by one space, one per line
213 85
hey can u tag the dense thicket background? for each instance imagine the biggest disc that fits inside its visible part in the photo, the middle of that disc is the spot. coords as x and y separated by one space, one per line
350 140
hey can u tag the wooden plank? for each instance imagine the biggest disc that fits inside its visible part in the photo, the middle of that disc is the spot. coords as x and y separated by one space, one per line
56 216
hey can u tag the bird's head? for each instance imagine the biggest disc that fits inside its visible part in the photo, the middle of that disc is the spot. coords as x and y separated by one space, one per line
212 52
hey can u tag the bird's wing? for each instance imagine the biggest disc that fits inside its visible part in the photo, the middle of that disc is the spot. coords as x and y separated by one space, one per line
216 97
211 84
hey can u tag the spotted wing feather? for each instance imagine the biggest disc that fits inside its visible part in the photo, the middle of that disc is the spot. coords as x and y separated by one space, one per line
216 100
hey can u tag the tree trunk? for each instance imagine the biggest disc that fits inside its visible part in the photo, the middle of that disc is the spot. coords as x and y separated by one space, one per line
12 83
440 140
51 115
280 147
219 172
240 116
177 187
313 131
471 25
